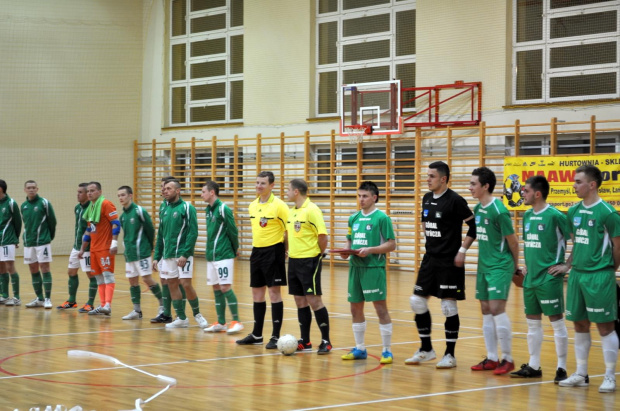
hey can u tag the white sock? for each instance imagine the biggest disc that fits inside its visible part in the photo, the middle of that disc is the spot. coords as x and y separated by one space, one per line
534 342
359 332
490 338
583 341
610 353
386 336
560 335
504 335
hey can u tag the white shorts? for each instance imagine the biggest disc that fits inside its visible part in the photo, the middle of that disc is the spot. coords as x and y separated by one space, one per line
40 254
141 267
170 269
7 252
76 262
220 272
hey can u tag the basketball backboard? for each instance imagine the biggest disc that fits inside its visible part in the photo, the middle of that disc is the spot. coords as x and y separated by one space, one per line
375 104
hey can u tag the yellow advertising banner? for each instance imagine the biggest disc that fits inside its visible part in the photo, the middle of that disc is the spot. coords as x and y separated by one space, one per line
560 172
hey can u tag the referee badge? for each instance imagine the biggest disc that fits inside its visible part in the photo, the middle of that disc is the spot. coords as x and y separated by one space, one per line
297 226
263 222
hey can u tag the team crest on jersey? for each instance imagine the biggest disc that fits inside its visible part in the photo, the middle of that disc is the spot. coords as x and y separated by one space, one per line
591 223
486 221
425 213
368 227
541 227
263 222
527 227
576 221
175 214
356 227
477 219
297 226
36 209
437 214
132 220
4 209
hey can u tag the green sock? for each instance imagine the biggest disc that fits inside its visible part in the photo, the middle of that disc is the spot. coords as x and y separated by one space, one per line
156 290
47 284
4 285
165 296
15 284
74 282
92 290
195 306
184 295
179 307
231 299
36 284
220 306
134 292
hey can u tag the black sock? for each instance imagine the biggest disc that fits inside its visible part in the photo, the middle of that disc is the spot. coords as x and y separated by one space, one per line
322 319
259 318
277 315
423 322
304 315
452 326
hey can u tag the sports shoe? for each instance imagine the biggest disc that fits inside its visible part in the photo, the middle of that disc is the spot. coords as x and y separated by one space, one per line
355 354
97 311
161 319
35 303
420 357
608 385
48 304
2 300
250 339
86 308
303 347
324 348
485 365
216 328
575 380
448 361
202 322
504 367
66 305
272 344
386 357
234 327
526 372
560 375
10 302
160 310
178 323
105 310
133 315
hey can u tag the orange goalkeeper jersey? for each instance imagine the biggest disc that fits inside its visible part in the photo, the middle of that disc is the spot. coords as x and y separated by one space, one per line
101 233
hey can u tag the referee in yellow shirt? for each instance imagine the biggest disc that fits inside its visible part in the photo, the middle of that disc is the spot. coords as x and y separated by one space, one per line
306 240
268 215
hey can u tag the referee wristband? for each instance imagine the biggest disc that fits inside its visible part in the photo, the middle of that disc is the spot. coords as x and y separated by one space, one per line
462 250
114 244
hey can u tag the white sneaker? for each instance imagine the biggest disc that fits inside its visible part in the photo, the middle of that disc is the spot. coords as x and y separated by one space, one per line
234 327
35 303
178 323
3 300
47 303
448 361
216 328
576 380
133 315
97 311
10 302
608 385
420 357
105 310
202 322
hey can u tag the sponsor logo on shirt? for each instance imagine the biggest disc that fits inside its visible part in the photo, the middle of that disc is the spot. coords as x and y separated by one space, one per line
576 221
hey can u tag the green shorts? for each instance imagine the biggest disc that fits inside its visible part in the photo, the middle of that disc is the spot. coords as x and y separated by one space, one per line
591 296
493 286
547 298
367 284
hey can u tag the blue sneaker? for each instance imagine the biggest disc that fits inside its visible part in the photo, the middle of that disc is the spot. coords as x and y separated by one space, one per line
386 357
355 354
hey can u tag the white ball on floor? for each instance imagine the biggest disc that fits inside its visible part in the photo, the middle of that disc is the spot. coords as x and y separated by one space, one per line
287 344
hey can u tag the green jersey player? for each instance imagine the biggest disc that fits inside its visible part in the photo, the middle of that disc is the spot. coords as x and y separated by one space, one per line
545 231
498 244
370 236
10 227
591 292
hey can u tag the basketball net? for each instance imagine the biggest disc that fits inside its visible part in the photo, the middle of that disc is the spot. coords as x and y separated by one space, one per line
356 133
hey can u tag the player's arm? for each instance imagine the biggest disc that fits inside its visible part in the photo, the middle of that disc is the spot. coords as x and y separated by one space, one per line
85 241
616 252
231 229
51 220
322 240
187 249
159 246
459 259
17 222
513 245
348 247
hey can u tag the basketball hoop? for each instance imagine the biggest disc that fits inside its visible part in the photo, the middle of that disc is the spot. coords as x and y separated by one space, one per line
356 132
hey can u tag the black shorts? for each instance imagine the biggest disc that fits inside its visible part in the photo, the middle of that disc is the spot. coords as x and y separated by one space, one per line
267 266
439 277
304 275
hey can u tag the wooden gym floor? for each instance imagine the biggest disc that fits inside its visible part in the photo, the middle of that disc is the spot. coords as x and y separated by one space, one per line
215 373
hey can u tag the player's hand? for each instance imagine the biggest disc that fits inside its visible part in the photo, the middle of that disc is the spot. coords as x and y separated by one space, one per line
181 261
114 250
344 256
459 260
558 270
155 265
363 252
523 270
16 245
81 254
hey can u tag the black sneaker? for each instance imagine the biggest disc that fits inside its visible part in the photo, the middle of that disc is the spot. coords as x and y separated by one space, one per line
161 319
272 344
560 375
324 348
303 347
250 339
527 372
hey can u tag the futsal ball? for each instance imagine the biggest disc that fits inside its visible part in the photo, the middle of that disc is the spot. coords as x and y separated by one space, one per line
513 190
287 344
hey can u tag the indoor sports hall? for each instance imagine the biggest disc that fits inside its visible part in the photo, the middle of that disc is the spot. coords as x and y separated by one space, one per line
336 92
